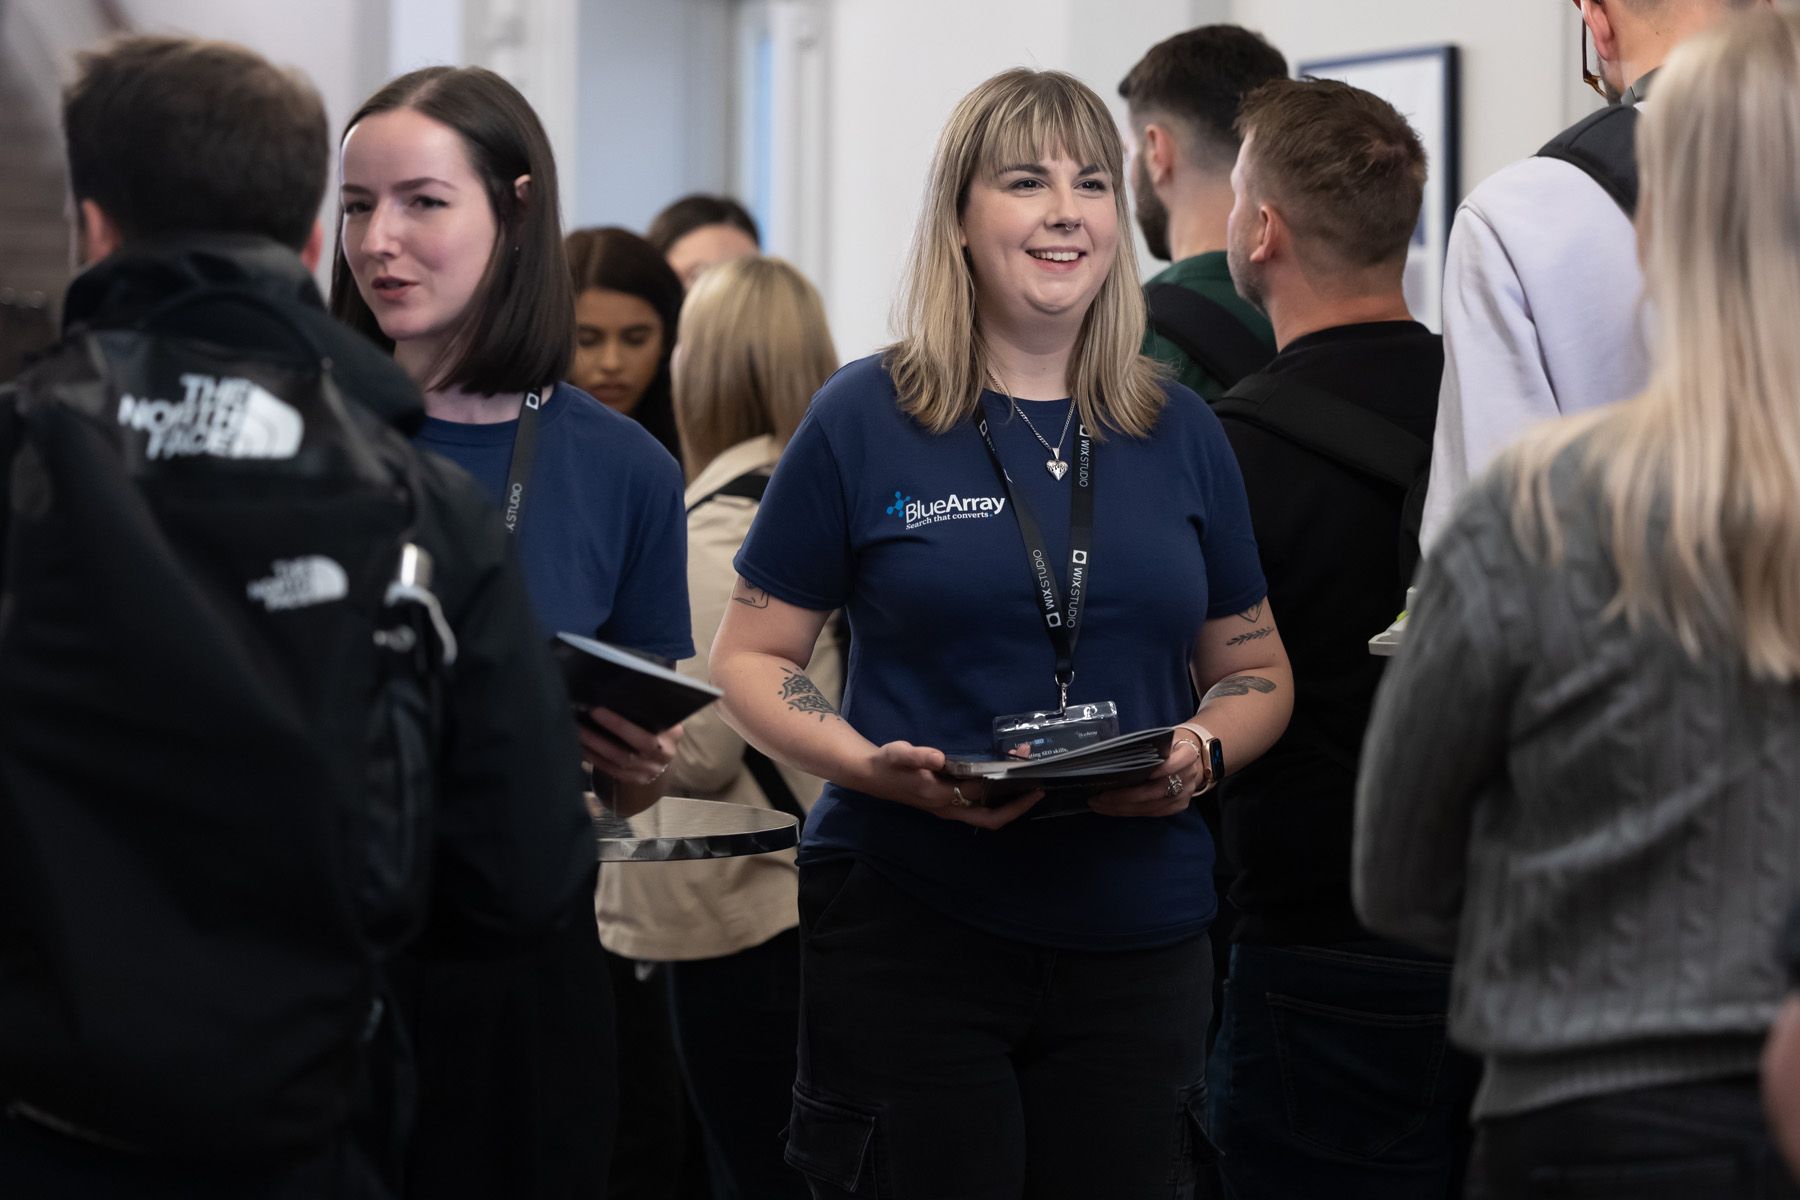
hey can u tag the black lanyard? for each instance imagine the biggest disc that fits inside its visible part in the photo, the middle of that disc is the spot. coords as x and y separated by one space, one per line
524 453
1062 624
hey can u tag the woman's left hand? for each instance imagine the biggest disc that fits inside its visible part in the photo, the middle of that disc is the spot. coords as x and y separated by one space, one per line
1168 792
642 759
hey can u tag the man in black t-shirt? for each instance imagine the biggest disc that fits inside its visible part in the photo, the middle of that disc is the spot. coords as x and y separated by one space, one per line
1331 1075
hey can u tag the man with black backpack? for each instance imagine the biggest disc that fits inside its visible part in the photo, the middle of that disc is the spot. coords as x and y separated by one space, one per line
1183 97
1543 297
1333 438
273 706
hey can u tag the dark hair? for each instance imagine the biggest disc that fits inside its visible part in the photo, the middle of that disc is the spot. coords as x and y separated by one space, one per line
1200 78
696 212
618 260
179 135
1343 162
520 326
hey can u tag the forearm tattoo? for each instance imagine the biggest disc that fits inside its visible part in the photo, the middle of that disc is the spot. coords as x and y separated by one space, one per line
1253 614
749 597
1240 685
803 695
1252 636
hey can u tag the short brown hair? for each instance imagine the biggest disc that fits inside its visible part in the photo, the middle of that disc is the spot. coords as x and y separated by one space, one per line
1343 164
697 212
519 332
1200 78
178 135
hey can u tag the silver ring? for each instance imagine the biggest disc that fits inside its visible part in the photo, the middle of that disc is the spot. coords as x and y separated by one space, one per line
1175 786
958 799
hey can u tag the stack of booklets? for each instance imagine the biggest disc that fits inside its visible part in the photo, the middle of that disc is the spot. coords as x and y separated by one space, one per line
645 693
1071 778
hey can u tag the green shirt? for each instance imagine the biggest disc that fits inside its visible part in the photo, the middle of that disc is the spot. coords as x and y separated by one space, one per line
1208 275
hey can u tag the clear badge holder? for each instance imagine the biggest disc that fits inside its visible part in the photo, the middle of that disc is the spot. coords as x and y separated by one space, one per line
1034 735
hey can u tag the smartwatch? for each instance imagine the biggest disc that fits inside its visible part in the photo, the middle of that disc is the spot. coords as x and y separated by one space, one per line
1212 753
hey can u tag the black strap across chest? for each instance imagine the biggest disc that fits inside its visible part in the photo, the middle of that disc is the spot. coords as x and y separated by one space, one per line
1604 146
1207 332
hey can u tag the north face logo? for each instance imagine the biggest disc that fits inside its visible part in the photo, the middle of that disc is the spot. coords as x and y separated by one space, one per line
222 418
301 582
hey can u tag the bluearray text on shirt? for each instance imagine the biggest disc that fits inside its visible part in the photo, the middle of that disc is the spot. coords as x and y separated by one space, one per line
919 513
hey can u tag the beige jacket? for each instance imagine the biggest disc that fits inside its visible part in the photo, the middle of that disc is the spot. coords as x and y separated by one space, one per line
688 910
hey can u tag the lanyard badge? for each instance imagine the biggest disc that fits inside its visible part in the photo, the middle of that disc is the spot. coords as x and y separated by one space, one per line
1037 734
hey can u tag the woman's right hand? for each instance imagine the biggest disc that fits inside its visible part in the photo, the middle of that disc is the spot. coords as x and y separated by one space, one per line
909 774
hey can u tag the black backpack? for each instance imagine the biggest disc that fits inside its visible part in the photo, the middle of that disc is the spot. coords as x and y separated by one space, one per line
219 675
1207 332
1604 145
1347 434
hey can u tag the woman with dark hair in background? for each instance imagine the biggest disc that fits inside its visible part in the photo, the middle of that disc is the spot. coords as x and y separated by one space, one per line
451 255
627 305
700 231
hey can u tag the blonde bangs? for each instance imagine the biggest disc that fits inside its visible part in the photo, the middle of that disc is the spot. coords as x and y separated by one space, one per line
940 364
1040 127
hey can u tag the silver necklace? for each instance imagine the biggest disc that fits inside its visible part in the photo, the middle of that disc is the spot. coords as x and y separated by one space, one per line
1056 466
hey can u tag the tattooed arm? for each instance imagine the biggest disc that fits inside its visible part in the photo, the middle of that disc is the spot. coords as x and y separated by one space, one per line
1247 688
1241 669
770 701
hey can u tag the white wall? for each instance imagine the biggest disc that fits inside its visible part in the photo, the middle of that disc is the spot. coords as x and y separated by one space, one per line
1520 61
654 108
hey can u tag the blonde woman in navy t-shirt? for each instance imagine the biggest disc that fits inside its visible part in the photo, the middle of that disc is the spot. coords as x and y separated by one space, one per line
996 1004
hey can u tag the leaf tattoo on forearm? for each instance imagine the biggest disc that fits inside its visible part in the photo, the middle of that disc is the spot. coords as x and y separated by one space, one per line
1252 636
1240 685
803 695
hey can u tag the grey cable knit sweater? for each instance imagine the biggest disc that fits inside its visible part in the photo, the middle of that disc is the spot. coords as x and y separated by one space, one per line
1605 833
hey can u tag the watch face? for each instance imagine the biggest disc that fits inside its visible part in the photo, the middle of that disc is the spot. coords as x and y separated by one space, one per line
1215 753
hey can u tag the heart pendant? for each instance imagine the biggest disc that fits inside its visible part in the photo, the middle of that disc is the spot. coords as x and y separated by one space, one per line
1057 467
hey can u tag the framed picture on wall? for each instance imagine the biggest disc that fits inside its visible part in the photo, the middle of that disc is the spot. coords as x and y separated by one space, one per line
1422 83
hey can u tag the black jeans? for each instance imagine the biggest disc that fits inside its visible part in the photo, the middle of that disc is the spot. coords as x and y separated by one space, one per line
657 1153
1696 1141
1332 1076
941 1062
736 1020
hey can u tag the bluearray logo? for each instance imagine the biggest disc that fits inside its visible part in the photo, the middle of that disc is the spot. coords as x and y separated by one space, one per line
300 582
223 418
919 513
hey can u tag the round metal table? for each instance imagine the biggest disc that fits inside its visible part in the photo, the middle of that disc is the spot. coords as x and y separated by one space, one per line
680 829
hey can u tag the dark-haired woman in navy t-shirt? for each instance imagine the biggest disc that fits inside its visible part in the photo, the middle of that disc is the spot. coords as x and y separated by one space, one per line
996 1004
451 253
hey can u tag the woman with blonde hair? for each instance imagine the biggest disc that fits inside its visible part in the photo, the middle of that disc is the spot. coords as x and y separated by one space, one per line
755 347
1582 771
1020 518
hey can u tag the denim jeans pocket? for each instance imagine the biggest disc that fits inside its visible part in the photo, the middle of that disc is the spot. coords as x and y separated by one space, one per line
832 1143
1195 1157
1710 1176
1354 1083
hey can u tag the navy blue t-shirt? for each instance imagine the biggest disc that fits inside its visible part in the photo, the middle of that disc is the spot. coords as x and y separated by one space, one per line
603 538
908 532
